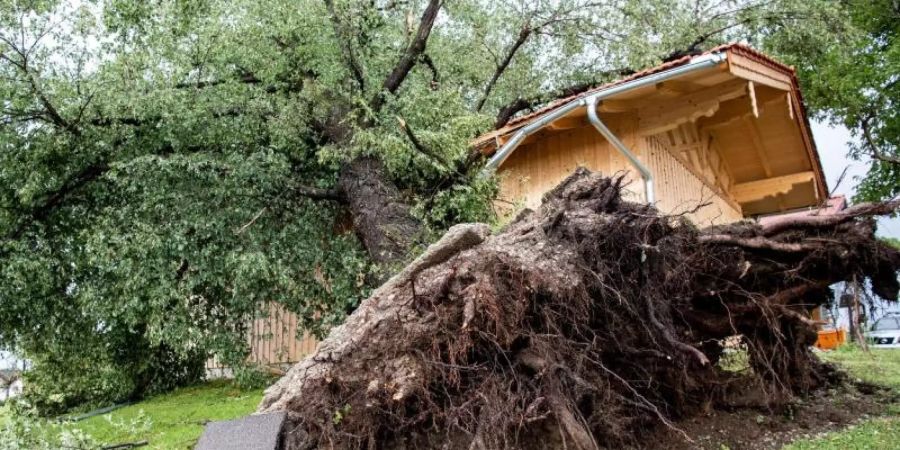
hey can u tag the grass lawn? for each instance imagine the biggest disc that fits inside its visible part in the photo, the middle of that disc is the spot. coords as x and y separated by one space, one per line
879 367
874 434
174 420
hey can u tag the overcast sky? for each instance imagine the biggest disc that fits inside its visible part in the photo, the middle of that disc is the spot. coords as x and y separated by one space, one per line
832 144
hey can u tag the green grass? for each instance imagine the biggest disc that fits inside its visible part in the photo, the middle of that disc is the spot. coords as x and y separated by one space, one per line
174 420
881 367
876 434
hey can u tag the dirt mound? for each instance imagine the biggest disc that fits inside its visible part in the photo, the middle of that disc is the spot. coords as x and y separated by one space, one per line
581 325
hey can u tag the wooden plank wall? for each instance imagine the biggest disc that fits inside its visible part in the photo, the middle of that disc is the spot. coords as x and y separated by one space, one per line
537 167
273 339
679 191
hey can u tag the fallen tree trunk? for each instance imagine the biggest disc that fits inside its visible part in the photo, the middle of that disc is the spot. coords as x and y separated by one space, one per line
576 326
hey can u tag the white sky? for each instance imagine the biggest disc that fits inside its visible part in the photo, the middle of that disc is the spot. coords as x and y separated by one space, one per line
832 144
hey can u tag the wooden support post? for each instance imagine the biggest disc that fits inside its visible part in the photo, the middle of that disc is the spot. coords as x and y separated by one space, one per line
754 106
790 105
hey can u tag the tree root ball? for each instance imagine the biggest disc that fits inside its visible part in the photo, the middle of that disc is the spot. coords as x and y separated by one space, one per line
578 325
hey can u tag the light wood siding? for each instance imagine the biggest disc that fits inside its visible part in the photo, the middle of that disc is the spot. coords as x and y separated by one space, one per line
541 164
273 340
536 167
679 191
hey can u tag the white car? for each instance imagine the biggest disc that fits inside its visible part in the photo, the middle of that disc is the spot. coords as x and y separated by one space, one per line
885 332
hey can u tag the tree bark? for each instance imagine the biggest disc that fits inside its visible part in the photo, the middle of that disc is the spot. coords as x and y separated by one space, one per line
524 33
381 216
412 53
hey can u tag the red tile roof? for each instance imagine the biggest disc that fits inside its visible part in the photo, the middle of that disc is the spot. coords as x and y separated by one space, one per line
734 47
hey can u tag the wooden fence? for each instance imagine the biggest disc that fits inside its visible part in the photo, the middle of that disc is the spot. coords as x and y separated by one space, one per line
273 340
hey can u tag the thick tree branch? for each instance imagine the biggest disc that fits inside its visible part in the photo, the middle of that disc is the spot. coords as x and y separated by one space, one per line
861 210
408 60
874 148
418 145
53 199
315 193
435 75
52 112
524 33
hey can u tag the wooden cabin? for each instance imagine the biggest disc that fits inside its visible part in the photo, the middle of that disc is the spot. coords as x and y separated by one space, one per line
727 128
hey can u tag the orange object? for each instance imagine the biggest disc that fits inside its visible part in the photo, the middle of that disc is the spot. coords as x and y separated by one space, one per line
831 339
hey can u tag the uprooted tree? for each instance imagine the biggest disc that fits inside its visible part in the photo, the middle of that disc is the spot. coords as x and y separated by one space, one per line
577 325
168 167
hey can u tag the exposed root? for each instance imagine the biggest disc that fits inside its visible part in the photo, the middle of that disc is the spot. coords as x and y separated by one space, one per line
578 326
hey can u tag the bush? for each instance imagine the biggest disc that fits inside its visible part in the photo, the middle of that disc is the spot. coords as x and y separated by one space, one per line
98 375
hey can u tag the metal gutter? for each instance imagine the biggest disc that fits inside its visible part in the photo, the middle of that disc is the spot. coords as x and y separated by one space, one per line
621 147
590 101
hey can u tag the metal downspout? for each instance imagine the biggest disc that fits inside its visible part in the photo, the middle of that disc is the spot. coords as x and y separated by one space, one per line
621 147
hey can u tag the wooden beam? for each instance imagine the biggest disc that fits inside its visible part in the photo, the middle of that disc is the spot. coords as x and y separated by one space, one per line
677 87
728 113
769 187
667 114
758 146
790 105
616 106
748 69
753 105
567 123
714 144
735 110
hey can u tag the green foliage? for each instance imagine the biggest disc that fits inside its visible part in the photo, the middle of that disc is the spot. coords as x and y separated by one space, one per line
21 431
156 158
847 56
88 377
894 242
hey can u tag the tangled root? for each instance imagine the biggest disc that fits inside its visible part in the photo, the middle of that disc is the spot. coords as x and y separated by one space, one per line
577 326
